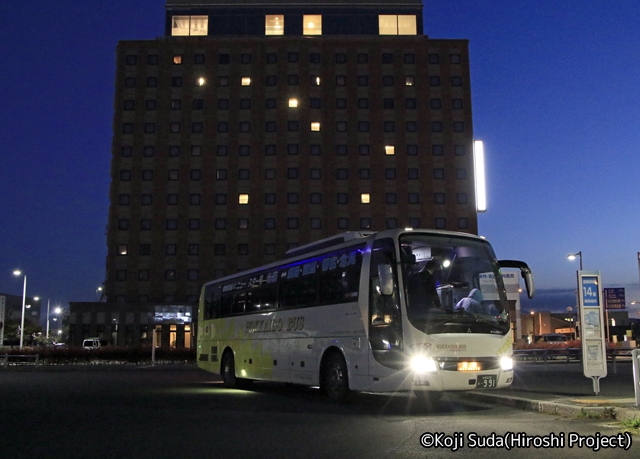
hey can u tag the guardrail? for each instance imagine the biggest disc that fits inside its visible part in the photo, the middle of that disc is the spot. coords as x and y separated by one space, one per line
26 359
566 354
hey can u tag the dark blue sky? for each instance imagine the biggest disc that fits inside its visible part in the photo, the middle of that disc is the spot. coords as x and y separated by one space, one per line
556 101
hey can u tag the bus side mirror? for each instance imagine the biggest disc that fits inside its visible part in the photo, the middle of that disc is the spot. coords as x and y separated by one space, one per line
385 276
525 271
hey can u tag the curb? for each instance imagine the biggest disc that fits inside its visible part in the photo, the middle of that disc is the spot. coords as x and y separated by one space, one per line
557 408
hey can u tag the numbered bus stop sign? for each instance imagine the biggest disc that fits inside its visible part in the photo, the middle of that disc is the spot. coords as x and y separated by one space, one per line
594 350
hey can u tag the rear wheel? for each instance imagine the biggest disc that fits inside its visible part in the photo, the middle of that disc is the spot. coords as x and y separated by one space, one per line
228 370
335 381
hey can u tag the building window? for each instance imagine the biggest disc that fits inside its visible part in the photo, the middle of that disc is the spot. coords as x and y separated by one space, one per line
220 224
316 223
171 249
409 81
196 127
342 198
269 150
222 150
390 174
270 126
125 175
292 198
438 174
223 126
409 58
124 199
270 174
341 126
224 59
145 224
391 24
293 126
410 103
245 81
439 198
196 174
388 103
147 175
392 223
437 150
293 102
436 126
461 198
176 82
362 58
200 81
461 174
243 249
363 80
391 198
456 81
244 126
314 102
270 249
269 198
292 80
315 58
459 150
414 198
341 80
245 104
314 174
171 224
411 126
269 223
274 24
172 199
341 150
223 81
129 105
315 198
315 150
126 152
130 82
342 174
441 223
243 223
434 80
193 249
363 126
123 249
292 223
456 104
343 223
196 150
292 149
412 150
412 173
146 199
389 126
123 224
315 80
189 25
341 103
121 275
271 103
131 59
458 126
365 198
389 150
363 150
463 223
363 103
387 80
387 58
145 249
194 199
194 224
243 198
221 199
292 173
170 274
244 150
243 174
312 24
127 128
365 223
315 126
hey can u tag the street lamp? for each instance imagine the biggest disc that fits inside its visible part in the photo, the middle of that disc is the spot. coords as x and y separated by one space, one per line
17 272
572 256
98 293
58 310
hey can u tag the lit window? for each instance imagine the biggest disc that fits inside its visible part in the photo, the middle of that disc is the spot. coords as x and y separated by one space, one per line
406 25
243 199
177 59
200 81
312 24
409 81
390 150
365 198
315 126
199 25
293 103
122 249
274 24
179 25
315 80
246 81
390 24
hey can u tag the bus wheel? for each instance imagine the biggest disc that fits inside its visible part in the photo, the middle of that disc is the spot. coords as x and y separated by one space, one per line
335 379
228 370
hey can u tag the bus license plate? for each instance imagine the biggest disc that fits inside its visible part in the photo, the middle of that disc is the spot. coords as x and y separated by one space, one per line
487 382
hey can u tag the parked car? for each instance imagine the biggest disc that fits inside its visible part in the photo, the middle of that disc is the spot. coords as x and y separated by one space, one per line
552 338
91 343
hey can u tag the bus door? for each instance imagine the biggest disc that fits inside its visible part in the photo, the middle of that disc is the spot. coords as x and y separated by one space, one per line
385 324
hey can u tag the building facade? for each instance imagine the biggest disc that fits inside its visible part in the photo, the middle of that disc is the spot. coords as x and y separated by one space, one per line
253 127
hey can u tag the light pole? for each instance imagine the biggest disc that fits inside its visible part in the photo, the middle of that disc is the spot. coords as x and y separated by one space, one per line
572 256
58 310
17 272
48 305
99 293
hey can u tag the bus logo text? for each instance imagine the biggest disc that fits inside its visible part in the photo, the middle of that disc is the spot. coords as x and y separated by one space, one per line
274 325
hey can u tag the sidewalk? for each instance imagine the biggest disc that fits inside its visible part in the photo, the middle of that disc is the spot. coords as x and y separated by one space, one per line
561 388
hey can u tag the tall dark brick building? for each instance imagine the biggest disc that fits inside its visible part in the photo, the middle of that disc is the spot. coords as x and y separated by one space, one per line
252 127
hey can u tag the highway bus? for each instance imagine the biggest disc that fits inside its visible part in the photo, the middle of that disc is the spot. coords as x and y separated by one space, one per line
413 310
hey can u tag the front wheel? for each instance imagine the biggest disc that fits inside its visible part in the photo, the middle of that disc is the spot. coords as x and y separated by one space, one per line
335 381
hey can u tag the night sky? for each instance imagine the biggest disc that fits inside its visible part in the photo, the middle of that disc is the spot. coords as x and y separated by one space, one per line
556 101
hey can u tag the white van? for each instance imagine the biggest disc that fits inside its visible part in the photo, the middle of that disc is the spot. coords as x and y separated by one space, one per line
91 343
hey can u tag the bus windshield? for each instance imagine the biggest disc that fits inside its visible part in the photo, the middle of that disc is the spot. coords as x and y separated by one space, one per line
452 285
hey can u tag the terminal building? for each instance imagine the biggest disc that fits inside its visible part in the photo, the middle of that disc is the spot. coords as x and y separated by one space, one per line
252 127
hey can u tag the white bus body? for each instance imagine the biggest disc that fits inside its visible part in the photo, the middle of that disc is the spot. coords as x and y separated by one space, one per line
384 312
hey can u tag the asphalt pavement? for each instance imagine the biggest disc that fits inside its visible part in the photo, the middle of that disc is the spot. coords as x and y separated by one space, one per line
560 387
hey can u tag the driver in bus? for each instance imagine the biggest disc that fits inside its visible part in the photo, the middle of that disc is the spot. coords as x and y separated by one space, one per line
472 303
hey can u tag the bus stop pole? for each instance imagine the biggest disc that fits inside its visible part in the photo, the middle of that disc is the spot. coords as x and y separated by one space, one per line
635 355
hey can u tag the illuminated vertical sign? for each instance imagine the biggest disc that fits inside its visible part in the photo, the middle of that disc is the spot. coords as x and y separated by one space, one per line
479 174
2 306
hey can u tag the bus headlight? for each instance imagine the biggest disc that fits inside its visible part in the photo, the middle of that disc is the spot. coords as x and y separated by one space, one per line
423 364
506 363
